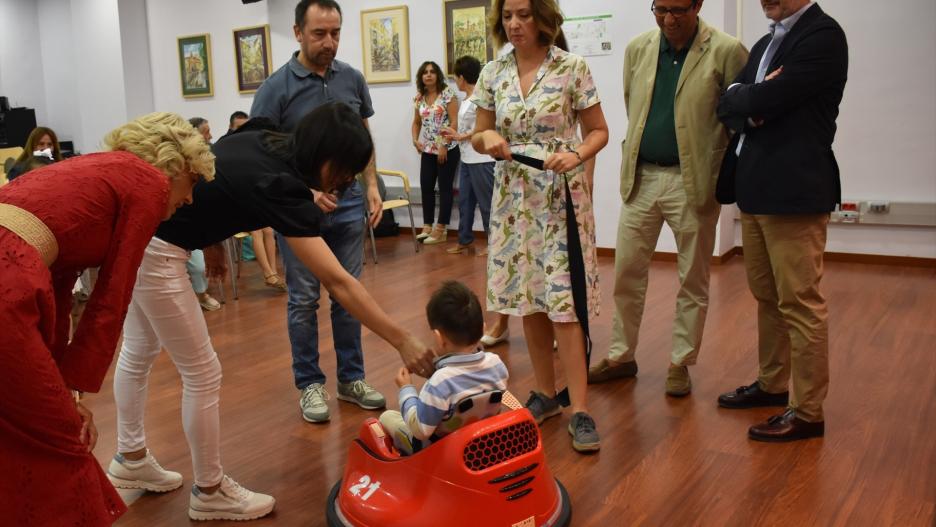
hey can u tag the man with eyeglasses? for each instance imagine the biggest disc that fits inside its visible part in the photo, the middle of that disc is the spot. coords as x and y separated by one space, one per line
675 143
782 172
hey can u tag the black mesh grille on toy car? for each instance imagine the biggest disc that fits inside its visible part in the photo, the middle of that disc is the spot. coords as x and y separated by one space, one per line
502 445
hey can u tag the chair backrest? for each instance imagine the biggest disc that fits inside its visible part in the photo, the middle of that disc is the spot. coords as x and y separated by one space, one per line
396 173
7 158
469 410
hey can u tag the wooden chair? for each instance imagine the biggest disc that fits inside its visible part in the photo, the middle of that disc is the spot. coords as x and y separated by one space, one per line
7 158
403 201
233 247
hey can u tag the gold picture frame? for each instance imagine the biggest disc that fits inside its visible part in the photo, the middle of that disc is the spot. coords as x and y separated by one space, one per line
195 65
464 31
385 44
253 58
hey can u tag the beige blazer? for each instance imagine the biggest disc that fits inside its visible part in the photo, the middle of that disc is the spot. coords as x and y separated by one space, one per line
712 64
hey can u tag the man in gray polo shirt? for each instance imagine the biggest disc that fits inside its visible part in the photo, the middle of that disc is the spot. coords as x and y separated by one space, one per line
311 78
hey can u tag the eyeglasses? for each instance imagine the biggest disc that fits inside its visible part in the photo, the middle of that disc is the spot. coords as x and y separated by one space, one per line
677 12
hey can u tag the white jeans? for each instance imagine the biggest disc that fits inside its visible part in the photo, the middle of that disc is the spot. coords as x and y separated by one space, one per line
164 312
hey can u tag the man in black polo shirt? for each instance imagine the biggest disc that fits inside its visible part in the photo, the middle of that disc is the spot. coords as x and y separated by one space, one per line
675 143
314 77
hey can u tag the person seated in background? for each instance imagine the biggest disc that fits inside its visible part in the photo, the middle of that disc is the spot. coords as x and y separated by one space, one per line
461 370
237 119
196 271
264 244
201 124
42 142
196 262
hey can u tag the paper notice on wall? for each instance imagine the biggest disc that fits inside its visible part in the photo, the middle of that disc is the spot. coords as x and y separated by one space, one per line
588 35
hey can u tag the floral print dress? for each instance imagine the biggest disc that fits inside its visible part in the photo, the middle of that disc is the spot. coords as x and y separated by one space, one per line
528 257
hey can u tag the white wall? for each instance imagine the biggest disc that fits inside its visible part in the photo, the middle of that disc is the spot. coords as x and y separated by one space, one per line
134 47
63 58
59 69
886 141
21 57
99 70
85 66
170 19
391 124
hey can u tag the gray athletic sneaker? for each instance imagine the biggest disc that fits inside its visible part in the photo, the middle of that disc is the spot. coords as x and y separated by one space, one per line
361 394
312 403
542 407
584 435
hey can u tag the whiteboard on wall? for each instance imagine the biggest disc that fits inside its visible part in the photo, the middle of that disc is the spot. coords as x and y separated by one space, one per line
886 141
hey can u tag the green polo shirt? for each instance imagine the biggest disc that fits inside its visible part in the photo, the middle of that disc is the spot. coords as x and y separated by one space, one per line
658 144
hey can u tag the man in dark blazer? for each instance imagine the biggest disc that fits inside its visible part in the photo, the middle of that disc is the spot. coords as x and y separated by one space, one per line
781 171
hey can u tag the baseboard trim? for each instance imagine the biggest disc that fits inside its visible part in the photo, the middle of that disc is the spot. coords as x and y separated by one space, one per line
869 259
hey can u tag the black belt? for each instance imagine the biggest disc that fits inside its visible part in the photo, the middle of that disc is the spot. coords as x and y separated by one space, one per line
664 165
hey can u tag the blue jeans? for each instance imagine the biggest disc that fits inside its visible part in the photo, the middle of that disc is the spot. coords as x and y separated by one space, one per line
476 188
196 271
343 232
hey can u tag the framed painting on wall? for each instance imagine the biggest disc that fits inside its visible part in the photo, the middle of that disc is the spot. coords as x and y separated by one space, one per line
195 65
385 44
465 31
252 56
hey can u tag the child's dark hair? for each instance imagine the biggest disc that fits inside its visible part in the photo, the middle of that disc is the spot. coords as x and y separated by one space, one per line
455 311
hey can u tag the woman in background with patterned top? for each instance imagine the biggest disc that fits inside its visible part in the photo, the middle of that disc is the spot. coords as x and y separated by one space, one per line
542 246
436 108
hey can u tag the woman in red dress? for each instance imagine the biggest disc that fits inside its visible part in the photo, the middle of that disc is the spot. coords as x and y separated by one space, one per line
98 210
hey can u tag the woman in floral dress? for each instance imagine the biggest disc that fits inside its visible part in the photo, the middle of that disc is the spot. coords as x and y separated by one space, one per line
436 108
530 102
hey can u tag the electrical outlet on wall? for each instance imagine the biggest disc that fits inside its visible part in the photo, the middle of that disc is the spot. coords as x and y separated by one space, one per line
879 207
850 206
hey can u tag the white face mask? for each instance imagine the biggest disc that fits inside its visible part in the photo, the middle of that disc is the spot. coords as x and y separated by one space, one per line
44 153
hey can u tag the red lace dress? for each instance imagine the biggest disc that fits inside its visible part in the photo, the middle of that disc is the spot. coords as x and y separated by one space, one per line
103 209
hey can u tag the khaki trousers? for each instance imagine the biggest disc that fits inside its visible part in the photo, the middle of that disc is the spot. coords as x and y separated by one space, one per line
783 259
659 195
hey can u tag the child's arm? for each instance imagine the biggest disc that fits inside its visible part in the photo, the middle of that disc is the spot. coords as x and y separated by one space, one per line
423 411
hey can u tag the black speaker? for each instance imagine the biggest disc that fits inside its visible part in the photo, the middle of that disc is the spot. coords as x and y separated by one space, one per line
16 125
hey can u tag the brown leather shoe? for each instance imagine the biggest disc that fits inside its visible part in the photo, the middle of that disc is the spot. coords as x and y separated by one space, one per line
606 371
786 427
678 382
752 397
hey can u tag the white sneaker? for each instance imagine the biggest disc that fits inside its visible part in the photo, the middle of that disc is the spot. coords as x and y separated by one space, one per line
143 474
490 340
208 303
229 502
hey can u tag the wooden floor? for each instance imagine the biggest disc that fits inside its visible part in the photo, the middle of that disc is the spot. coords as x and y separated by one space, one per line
663 461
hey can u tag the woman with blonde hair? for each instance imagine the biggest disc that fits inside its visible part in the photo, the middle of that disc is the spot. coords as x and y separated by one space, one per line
98 210
42 142
542 262
264 179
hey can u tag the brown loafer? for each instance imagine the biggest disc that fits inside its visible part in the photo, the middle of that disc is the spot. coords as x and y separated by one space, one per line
678 382
606 371
786 427
752 397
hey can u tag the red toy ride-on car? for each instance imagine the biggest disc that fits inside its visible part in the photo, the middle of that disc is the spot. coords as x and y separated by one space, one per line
490 473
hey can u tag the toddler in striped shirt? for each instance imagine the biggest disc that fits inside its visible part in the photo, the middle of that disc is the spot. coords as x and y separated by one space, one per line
461 370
